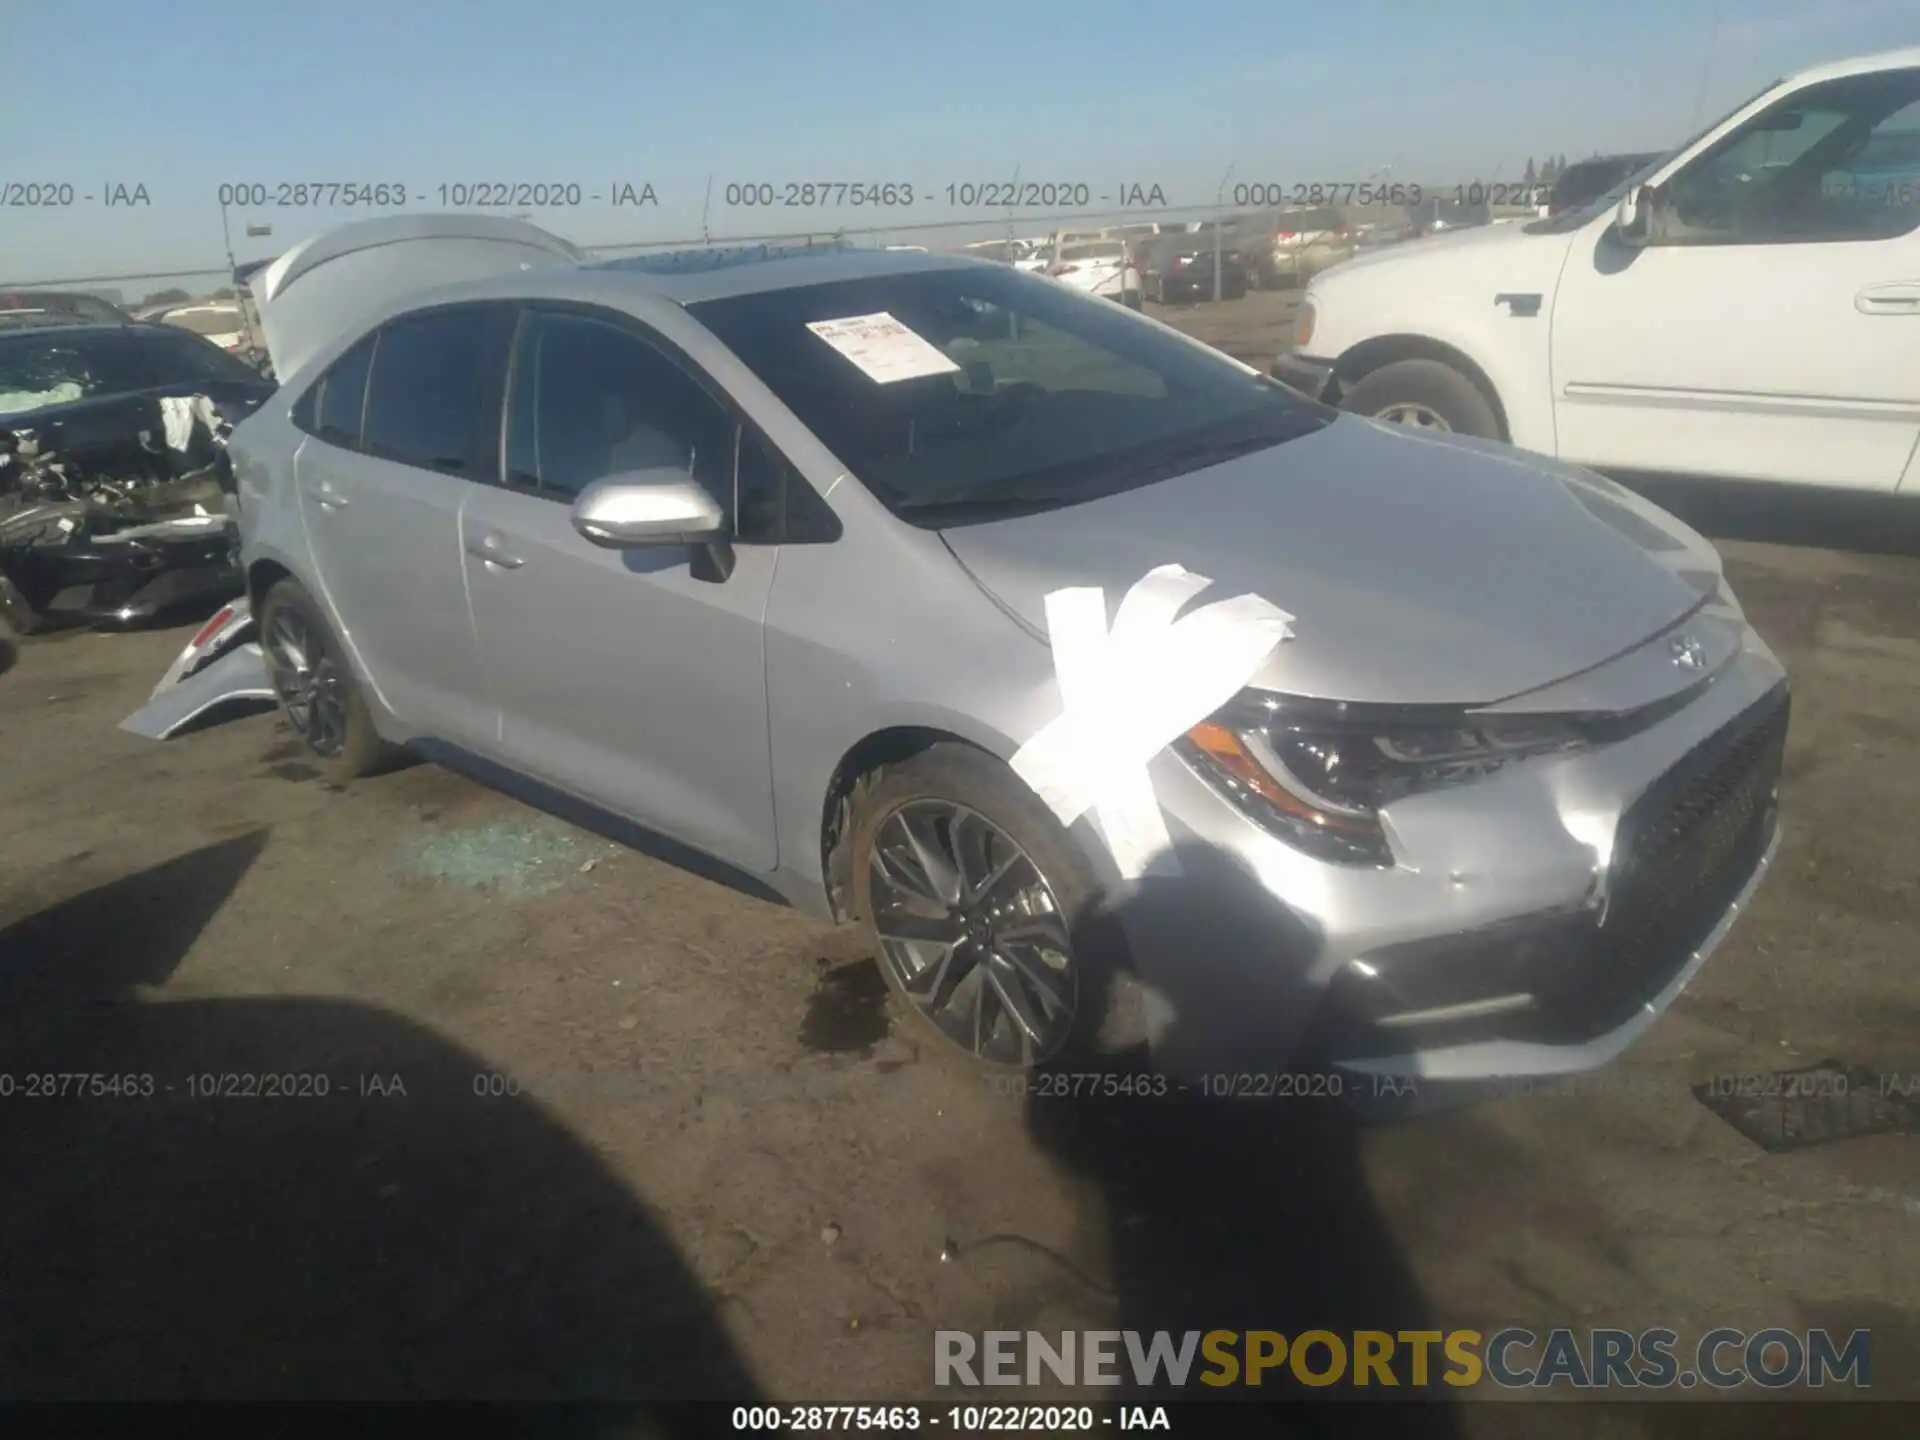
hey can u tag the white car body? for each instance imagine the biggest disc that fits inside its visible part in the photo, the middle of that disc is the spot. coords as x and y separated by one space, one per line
224 323
1099 267
1779 359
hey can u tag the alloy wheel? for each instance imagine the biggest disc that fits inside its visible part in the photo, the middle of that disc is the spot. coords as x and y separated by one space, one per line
1420 417
308 682
972 933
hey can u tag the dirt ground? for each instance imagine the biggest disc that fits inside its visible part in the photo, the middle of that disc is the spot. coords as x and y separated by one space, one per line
596 1127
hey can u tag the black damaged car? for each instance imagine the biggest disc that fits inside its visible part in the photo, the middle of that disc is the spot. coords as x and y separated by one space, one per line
113 470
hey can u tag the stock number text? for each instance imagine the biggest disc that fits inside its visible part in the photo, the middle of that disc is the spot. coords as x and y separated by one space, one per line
68 1084
1265 194
818 194
311 195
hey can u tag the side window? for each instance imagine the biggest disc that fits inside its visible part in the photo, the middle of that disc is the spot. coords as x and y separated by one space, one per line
1834 162
425 396
774 504
177 357
589 399
343 396
760 491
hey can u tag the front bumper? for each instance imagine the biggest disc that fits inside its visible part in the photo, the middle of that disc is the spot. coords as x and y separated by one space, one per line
1534 923
1312 378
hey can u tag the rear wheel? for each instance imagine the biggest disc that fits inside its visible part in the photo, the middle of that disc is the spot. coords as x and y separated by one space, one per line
315 686
978 901
1424 395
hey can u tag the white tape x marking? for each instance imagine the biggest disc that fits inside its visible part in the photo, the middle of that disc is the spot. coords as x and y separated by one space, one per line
1130 693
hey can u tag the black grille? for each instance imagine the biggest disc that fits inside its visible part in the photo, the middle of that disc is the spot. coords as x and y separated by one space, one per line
1682 854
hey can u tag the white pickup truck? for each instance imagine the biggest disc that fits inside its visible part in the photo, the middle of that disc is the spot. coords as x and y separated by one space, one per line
1746 307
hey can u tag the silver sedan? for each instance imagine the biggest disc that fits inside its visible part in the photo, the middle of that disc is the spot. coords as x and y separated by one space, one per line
1128 697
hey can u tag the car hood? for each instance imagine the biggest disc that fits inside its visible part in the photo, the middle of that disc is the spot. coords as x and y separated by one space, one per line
345 277
1497 245
1418 570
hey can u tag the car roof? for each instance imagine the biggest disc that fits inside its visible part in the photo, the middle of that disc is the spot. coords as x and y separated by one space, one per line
687 277
71 328
1610 162
1904 58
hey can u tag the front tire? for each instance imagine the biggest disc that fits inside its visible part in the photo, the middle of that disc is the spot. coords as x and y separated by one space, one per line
1424 395
319 697
980 908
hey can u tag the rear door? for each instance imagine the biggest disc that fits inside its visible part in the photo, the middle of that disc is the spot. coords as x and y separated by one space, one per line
399 422
623 676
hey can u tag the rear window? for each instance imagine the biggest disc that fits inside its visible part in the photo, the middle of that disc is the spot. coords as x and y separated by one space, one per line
423 402
179 358
343 395
40 370
1092 252
1001 390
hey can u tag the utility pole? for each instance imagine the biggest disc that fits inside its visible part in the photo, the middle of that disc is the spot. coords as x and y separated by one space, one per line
1219 225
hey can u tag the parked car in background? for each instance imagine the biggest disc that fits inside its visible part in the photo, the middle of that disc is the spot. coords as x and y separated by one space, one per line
702 472
33 308
96 384
1744 308
1434 216
1585 181
1099 267
1179 265
223 322
1001 252
112 482
1290 247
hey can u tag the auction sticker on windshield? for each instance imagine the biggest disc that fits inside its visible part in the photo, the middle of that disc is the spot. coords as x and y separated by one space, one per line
884 349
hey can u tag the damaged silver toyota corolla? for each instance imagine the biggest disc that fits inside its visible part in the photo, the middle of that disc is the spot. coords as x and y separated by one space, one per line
1123 693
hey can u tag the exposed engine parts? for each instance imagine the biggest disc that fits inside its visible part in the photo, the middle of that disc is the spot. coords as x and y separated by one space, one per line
121 523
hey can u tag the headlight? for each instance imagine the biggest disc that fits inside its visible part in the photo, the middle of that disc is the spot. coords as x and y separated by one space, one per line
1319 776
1303 326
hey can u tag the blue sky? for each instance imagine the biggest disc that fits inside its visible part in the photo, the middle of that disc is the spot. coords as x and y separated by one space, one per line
184 96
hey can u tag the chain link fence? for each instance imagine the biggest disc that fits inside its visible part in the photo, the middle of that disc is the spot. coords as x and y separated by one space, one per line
1338 228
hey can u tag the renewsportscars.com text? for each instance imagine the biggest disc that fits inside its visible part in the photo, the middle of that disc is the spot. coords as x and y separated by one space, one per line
1511 1358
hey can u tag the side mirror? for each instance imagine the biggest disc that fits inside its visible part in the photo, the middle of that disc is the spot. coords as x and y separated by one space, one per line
648 507
1630 217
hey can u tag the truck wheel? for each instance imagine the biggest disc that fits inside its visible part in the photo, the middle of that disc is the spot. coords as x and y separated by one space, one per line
1426 395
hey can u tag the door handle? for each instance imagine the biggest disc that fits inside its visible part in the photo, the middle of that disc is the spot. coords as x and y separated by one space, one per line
1897 299
327 497
493 550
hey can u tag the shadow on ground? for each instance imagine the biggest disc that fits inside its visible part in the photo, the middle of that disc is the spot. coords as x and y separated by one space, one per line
1237 1214
373 1224
1823 518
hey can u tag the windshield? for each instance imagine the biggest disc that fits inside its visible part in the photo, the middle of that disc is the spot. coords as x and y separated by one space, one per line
1600 204
40 370
978 391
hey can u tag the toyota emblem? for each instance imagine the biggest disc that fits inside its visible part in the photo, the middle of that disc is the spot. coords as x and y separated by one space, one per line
1687 652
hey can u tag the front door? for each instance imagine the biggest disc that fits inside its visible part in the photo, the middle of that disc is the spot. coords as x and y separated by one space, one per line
619 675
1770 327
